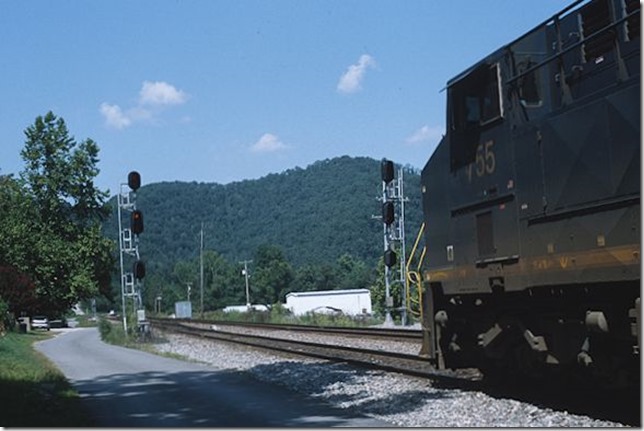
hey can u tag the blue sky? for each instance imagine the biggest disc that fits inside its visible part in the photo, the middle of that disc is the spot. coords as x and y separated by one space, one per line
223 90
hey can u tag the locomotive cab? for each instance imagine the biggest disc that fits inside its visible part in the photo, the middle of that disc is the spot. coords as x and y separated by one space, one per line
531 202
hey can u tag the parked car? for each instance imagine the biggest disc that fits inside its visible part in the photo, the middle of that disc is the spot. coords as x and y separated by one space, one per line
40 322
58 323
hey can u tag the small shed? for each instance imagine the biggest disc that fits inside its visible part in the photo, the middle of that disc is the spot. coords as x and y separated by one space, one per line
183 310
351 301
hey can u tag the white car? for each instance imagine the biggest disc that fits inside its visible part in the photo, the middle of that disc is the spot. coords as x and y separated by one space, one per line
40 322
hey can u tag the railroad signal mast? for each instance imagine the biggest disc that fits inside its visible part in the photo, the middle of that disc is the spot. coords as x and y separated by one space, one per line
393 218
131 281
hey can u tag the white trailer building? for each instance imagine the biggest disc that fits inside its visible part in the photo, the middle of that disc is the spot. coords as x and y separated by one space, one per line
353 302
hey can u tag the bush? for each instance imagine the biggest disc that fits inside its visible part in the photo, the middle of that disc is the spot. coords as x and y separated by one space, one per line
105 328
112 333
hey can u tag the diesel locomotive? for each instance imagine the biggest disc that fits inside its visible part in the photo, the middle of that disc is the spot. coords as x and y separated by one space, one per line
531 204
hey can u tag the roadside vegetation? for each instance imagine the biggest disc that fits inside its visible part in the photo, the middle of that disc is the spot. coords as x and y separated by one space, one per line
112 331
33 393
280 315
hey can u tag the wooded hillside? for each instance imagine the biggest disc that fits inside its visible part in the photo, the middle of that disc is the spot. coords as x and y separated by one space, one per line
314 214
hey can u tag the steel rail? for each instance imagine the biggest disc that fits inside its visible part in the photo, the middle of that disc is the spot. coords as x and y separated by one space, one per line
371 332
407 364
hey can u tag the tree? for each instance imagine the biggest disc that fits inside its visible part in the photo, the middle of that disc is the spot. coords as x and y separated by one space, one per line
60 173
17 222
272 277
53 233
186 277
378 289
352 273
221 282
17 291
307 278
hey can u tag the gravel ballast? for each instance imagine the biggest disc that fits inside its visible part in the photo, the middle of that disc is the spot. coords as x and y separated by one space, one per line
395 398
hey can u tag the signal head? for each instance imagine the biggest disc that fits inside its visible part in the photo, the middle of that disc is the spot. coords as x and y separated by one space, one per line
387 170
138 269
134 180
390 258
136 222
388 212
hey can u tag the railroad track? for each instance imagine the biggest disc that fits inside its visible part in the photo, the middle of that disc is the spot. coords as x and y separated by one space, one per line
369 332
392 361
553 395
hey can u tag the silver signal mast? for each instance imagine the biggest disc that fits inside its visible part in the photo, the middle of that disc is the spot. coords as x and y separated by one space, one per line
393 217
131 281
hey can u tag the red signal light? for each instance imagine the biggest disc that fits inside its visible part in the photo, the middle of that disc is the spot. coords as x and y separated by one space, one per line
137 222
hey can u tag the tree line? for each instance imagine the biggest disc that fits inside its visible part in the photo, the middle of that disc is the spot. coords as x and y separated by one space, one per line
271 278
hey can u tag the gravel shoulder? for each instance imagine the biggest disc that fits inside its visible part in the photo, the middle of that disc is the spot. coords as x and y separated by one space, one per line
397 399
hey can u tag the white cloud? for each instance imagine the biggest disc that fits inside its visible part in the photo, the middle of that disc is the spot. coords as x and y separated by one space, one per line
153 98
426 135
160 93
268 143
114 116
351 80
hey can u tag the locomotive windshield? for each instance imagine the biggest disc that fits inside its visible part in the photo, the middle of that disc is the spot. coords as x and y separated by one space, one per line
475 102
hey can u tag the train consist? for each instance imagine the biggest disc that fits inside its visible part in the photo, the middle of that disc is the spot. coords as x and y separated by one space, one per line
532 203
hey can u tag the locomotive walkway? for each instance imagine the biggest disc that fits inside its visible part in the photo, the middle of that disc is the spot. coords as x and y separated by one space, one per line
125 387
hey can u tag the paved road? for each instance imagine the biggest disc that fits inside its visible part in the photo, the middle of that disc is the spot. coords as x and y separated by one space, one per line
125 387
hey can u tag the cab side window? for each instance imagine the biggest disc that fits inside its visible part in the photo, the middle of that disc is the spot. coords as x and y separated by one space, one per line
529 91
475 103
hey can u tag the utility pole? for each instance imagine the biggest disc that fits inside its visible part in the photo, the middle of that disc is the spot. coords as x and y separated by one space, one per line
245 272
201 272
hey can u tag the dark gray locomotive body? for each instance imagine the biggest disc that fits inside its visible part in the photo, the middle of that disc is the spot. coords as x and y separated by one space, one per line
532 202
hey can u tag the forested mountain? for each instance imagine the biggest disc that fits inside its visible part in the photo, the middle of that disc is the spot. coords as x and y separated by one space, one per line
317 221
314 214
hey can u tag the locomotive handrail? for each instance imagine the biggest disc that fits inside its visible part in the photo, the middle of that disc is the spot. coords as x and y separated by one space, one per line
415 277
571 47
560 52
554 17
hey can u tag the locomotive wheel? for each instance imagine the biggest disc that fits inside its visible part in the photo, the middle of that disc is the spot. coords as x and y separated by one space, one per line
519 363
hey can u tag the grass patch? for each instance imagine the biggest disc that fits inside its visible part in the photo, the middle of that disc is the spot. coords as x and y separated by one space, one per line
281 316
33 392
85 321
112 332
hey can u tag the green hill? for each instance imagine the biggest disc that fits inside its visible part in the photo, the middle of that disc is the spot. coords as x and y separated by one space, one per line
314 215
